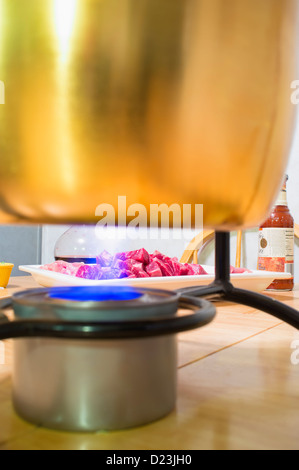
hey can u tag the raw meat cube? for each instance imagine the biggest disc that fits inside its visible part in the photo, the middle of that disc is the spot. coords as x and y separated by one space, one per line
63 267
234 270
153 269
196 269
88 272
137 269
165 267
104 259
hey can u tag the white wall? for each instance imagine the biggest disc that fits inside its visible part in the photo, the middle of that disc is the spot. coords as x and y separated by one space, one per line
293 192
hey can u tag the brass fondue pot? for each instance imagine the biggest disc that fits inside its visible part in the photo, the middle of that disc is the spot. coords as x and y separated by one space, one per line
163 101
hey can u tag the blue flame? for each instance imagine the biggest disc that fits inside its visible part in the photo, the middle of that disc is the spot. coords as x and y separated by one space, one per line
94 293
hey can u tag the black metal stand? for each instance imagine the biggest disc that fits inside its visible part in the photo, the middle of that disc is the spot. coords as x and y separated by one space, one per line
223 289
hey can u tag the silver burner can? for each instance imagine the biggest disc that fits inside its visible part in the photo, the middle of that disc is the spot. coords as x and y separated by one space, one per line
97 366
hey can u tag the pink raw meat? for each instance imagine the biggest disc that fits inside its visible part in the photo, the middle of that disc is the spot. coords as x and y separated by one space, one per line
141 256
234 270
63 267
88 272
153 270
131 264
179 268
138 271
104 259
165 267
195 269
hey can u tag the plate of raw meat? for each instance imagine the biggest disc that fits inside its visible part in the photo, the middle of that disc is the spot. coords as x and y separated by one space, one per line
141 269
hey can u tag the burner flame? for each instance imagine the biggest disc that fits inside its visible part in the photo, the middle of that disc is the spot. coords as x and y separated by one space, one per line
94 293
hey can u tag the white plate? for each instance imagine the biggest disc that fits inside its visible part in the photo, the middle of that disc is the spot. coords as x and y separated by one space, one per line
255 281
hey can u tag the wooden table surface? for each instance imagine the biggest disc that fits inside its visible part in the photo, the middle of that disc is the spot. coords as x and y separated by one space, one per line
238 388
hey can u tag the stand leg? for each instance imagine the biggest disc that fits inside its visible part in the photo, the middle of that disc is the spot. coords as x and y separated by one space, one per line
222 270
202 291
223 288
264 303
222 258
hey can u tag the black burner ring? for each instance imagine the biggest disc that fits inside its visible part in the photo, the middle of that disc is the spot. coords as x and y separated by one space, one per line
154 313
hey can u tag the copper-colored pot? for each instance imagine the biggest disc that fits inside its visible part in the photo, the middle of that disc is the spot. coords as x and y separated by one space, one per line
161 101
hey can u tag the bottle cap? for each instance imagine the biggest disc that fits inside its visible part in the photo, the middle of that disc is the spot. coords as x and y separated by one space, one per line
282 197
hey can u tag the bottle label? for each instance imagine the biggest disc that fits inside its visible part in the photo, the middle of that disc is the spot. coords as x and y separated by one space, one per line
276 250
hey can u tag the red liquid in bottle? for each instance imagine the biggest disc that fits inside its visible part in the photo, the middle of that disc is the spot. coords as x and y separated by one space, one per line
276 243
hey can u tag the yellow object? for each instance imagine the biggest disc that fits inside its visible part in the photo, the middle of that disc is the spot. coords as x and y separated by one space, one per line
164 102
5 272
196 246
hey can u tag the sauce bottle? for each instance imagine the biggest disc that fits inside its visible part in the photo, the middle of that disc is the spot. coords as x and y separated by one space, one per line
276 243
